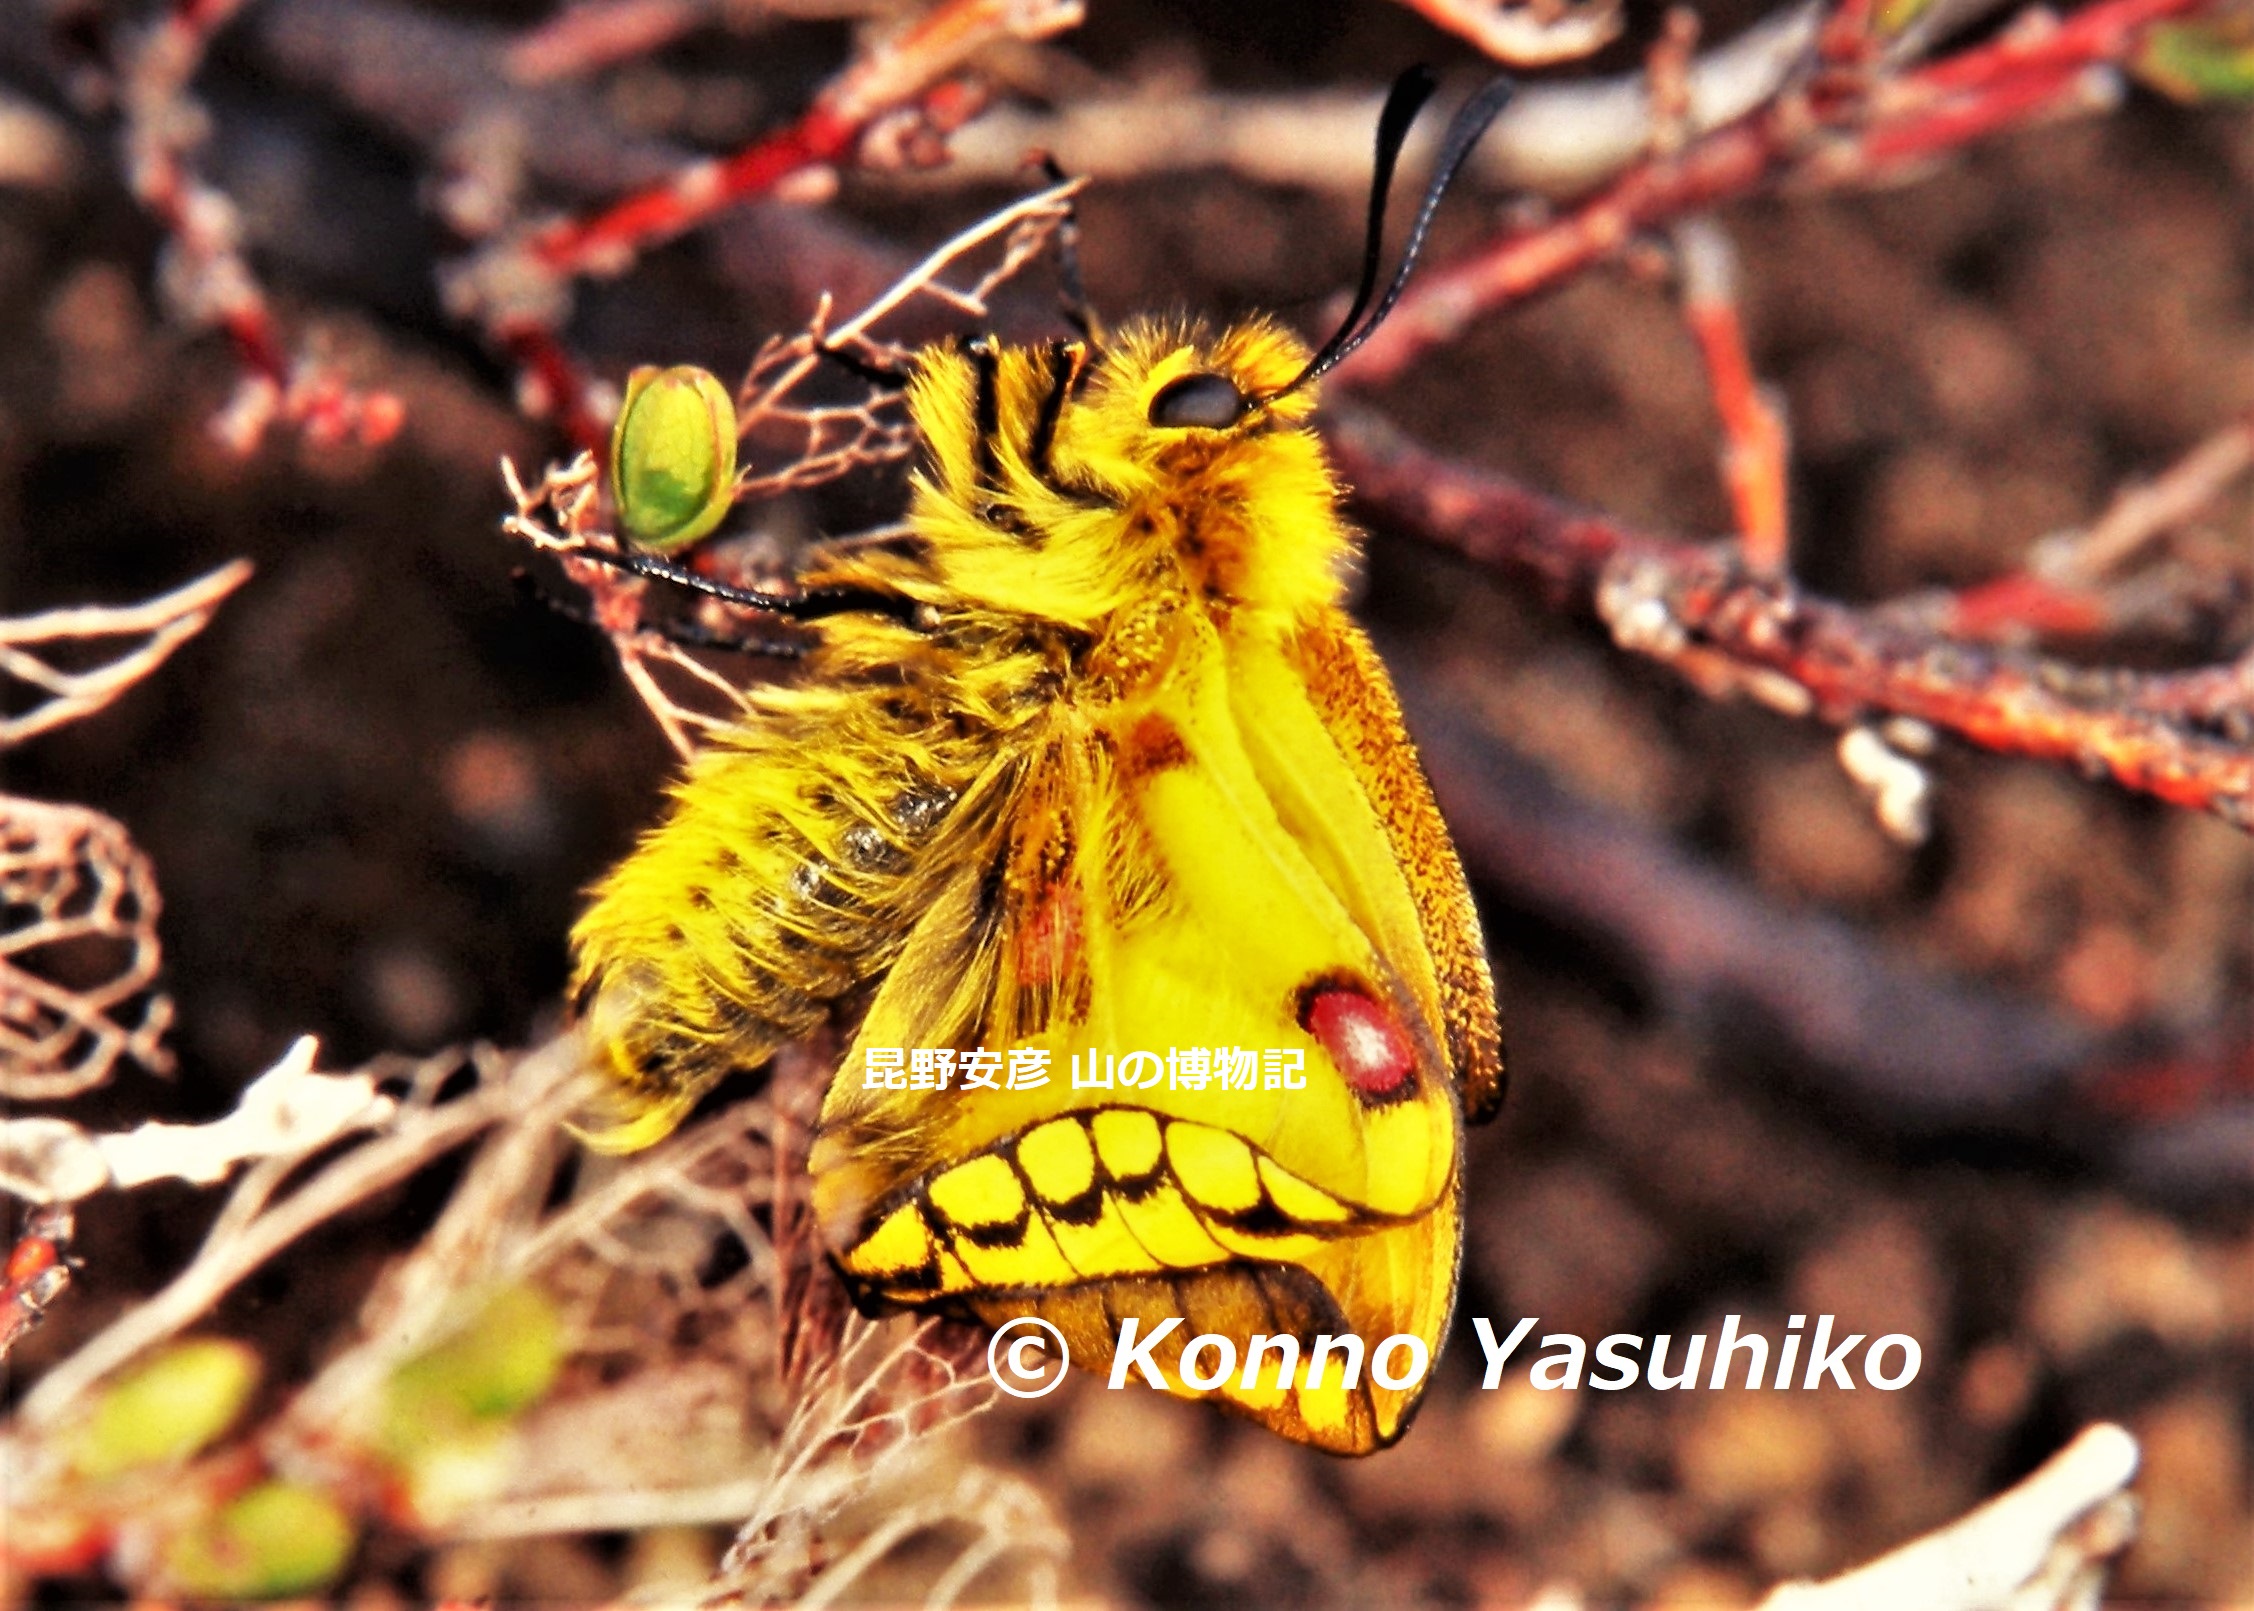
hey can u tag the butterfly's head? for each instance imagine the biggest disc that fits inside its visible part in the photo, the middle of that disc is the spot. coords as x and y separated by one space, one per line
1203 440
1066 481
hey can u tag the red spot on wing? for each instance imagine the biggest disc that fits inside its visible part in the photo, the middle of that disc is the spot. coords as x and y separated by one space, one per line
1363 1037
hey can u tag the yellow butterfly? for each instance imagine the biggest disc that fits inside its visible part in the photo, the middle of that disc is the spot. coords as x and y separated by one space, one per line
1094 762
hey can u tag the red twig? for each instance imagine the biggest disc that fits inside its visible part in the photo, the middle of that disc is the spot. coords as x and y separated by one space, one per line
1703 610
1823 134
38 1269
911 73
896 101
2072 584
552 385
205 274
1754 452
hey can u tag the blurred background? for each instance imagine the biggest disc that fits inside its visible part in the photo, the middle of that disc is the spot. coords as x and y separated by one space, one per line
1993 1089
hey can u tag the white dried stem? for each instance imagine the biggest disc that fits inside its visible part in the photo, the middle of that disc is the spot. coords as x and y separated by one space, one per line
287 1112
1556 139
73 880
2042 1546
241 1242
28 642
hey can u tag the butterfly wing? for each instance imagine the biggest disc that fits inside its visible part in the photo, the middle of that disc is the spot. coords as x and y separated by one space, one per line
1332 662
1204 867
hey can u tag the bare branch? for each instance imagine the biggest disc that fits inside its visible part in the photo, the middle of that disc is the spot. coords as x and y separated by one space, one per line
1815 135
1734 631
165 623
204 273
253 1230
75 886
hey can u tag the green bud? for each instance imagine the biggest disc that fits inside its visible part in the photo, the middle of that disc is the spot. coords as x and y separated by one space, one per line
168 1409
673 457
273 1540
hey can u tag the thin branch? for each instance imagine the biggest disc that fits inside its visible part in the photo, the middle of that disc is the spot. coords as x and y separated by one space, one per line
225 1260
1812 139
205 275
1736 631
2072 584
165 623
905 87
74 884
1755 453
2148 510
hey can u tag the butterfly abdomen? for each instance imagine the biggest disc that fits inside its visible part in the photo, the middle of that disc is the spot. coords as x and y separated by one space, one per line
797 856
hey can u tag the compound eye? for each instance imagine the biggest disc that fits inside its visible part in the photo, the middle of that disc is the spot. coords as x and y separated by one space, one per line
1209 401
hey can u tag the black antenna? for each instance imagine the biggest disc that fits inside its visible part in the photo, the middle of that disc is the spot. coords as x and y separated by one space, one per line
1410 91
813 605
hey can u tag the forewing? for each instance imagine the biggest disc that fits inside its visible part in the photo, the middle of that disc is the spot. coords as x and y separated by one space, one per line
1328 666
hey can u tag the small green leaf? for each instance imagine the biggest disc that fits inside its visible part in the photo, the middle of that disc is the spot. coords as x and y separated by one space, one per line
168 1409
673 457
275 1539
449 1417
2207 58
502 1360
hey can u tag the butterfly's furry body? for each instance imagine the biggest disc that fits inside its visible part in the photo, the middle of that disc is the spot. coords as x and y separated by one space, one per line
1125 776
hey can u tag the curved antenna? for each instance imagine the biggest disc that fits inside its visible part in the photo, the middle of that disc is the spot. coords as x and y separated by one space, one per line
1410 91
808 606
